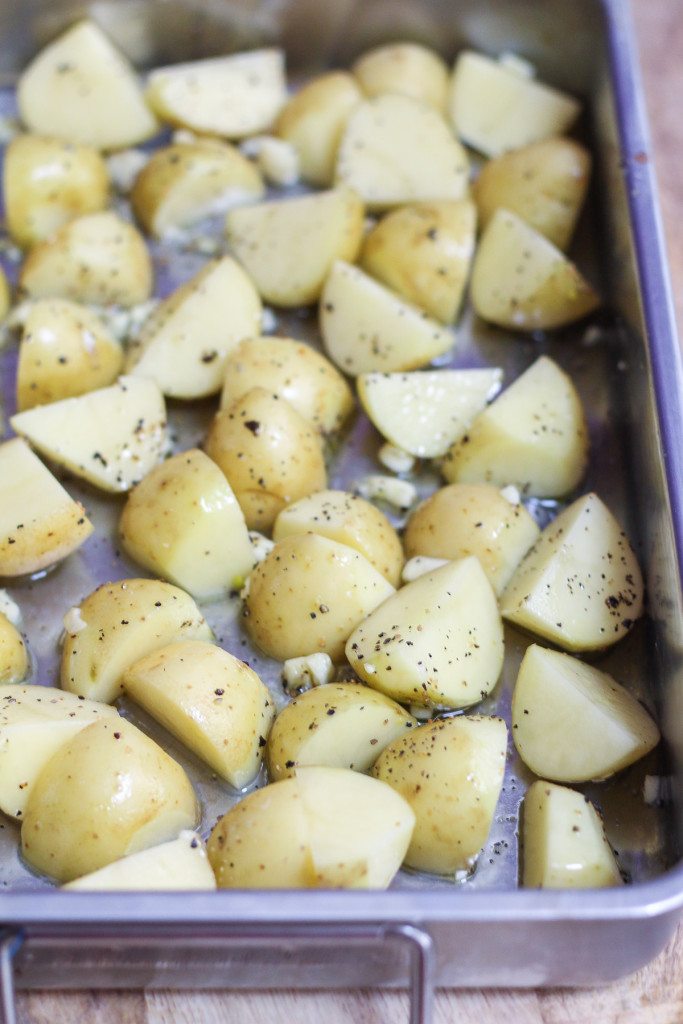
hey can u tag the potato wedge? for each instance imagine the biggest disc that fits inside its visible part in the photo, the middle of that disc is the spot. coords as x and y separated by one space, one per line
40 524
288 246
48 182
294 371
185 182
308 595
424 253
580 586
494 108
98 259
65 351
110 437
13 652
425 413
347 519
404 68
209 700
573 723
397 150
183 522
341 725
185 342
521 281
82 89
232 96
450 771
181 863
35 721
107 792
565 846
119 623
534 435
367 327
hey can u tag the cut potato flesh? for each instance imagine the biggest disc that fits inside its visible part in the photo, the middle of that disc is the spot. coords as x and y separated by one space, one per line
580 586
494 108
13 653
82 89
405 68
437 641
573 723
288 246
230 96
118 624
425 413
397 150
534 436
565 846
180 864
367 327
111 437
34 722
184 344
40 523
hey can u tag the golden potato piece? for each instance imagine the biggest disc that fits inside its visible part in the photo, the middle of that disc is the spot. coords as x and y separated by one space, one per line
181 864
13 653
404 68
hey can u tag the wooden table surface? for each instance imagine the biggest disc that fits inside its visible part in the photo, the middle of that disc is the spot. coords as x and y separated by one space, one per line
653 995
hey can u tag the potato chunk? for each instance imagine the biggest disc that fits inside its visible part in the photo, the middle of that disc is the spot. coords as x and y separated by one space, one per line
450 772
183 522
212 702
436 641
580 585
308 595
181 863
13 653
82 89
404 68
565 846
40 524
534 435
119 623
573 723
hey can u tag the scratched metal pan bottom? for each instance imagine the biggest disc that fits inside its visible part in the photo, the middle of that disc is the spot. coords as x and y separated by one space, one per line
486 931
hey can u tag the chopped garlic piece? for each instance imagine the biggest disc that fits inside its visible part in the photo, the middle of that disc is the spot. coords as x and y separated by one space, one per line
419 566
400 493
125 322
656 789
420 712
124 168
246 587
517 65
511 494
74 621
9 608
277 159
396 459
310 670
261 545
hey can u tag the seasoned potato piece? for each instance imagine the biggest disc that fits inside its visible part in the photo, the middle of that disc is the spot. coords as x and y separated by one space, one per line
450 772
534 436
270 454
48 182
308 595
314 119
472 519
521 281
99 258
110 437
367 327
184 344
436 641
573 723
295 372
182 183
35 721
13 653
183 522
230 96
424 413
580 586
119 623
181 863
545 184
348 519
65 351
82 89
424 253
341 725
397 150
288 246
40 524
107 792
495 108
405 68
565 846
212 702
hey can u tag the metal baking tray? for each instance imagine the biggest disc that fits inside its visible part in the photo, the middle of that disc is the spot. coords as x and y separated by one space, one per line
425 930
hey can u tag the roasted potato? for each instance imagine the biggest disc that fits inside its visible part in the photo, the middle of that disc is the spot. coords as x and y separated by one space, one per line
404 68
13 653
181 863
